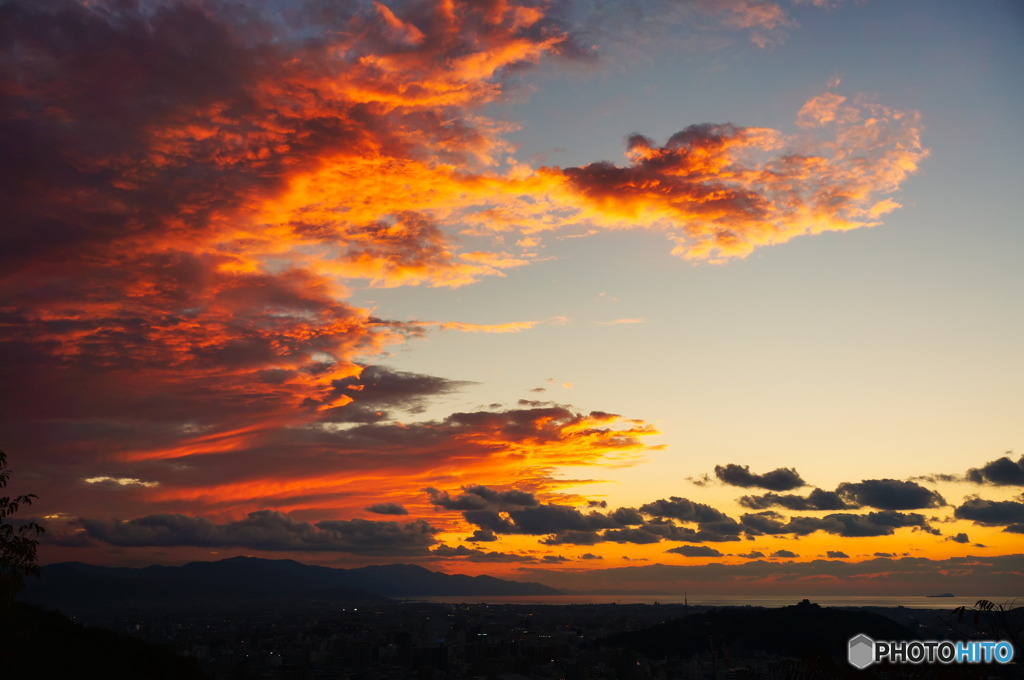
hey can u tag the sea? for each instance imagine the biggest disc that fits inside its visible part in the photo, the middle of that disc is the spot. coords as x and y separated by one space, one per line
909 601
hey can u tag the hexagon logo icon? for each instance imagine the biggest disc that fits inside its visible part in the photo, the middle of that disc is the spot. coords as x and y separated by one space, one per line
861 653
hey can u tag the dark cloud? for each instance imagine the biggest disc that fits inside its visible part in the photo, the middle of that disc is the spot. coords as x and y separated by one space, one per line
784 553
574 538
752 555
880 523
567 523
482 536
504 513
489 521
473 555
933 479
695 551
767 522
959 538
890 494
590 556
885 494
837 555
818 499
267 530
683 509
378 389
482 497
67 539
708 532
991 513
556 558
780 479
627 517
1000 472
552 519
387 509
1015 528
518 512
639 536
712 525
668 529
853 525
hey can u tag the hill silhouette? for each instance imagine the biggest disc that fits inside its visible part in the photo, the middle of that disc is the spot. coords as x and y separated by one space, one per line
800 631
254 579
35 643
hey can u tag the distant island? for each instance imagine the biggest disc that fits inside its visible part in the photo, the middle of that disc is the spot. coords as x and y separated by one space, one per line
941 595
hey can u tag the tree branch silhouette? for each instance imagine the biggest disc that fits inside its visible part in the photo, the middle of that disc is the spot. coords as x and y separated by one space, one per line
18 544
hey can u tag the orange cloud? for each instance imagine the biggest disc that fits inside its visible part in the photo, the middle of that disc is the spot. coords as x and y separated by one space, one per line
719 194
358 465
183 230
189 199
764 19
620 322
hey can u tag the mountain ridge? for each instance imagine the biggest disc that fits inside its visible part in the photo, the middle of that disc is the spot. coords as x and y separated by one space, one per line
253 578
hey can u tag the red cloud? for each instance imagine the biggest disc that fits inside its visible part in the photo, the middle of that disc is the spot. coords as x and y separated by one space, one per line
189 188
721 190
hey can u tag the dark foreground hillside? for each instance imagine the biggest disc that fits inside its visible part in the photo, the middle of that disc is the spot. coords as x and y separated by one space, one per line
312 639
803 630
35 643
800 641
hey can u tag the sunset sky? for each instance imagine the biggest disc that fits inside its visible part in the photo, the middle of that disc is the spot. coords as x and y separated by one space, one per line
545 290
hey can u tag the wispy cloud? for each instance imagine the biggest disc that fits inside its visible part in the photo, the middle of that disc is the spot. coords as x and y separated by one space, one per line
119 481
508 327
621 322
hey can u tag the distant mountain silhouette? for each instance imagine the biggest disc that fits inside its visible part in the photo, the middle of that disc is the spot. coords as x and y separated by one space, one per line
408 580
249 578
801 631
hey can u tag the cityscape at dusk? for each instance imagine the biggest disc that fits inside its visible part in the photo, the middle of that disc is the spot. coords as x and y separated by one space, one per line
715 296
